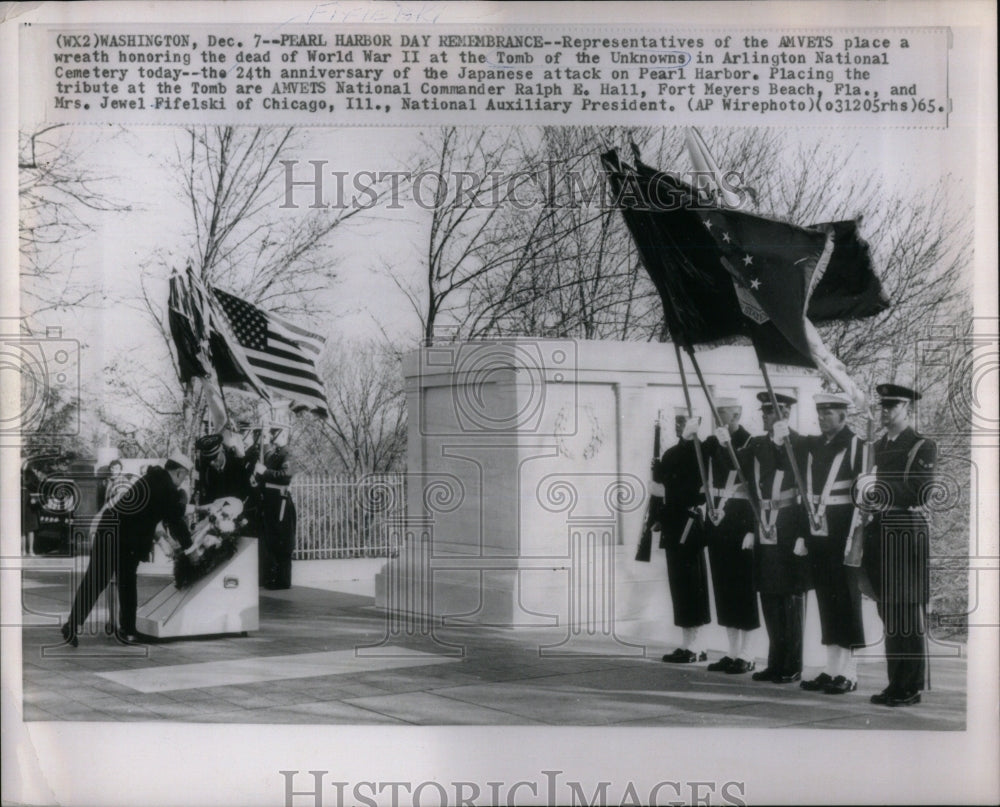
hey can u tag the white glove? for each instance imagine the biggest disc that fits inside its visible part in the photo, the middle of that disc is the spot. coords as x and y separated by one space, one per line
233 441
780 431
722 435
800 547
690 428
748 541
259 468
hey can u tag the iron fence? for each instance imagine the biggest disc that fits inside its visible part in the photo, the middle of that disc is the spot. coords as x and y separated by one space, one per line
340 516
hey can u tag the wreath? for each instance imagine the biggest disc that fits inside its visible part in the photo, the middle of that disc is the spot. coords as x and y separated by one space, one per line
214 540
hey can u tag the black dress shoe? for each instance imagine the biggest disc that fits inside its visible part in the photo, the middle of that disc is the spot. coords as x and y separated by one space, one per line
724 664
741 666
820 682
767 674
905 699
681 656
69 635
791 678
840 685
881 698
127 638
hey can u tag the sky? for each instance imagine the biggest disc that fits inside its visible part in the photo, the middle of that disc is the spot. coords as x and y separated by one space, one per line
363 303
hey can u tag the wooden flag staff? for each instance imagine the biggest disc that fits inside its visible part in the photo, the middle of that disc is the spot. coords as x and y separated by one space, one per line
796 471
751 491
705 481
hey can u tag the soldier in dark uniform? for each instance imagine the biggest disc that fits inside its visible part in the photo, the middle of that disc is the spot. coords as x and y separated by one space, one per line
732 565
681 537
831 463
124 537
897 544
272 478
779 552
222 470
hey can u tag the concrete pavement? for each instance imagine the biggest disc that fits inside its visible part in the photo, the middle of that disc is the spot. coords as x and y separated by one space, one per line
325 655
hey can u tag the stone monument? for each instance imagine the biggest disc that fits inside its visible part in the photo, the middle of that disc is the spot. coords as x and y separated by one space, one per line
528 462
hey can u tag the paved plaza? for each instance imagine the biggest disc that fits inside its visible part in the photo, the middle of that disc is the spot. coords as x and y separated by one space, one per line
325 655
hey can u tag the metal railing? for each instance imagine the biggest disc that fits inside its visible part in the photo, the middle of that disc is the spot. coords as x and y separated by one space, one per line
340 516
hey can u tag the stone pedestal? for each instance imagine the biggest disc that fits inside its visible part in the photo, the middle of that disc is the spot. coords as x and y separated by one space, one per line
528 463
224 601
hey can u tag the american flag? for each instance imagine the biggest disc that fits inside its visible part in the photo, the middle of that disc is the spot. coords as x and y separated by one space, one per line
203 355
281 355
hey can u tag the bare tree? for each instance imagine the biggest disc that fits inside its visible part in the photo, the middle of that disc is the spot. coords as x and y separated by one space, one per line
582 279
57 197
232 181
487 219
366 431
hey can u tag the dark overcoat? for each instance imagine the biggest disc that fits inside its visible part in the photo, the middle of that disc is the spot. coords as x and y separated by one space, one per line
682 534
779 571
732 566
897 540
829 469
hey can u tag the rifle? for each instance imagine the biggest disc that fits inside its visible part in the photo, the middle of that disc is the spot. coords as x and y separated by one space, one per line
859 521
653 504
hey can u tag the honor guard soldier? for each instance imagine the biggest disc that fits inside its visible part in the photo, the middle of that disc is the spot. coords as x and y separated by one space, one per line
222 471
831 463
729 520
897 543
124 537
681 537
779 552
272 478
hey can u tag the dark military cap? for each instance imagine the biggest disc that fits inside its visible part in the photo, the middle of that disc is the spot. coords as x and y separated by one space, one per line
209 445
895 392
765 399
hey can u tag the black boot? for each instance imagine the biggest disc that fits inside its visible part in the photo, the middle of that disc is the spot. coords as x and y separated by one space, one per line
69 635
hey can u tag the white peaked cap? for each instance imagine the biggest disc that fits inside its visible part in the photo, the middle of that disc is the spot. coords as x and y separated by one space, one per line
726 398
831 399
181 459
682 412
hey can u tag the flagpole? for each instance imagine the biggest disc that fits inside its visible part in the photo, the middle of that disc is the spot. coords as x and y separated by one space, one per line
751 491
796 471
705 481
669 301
